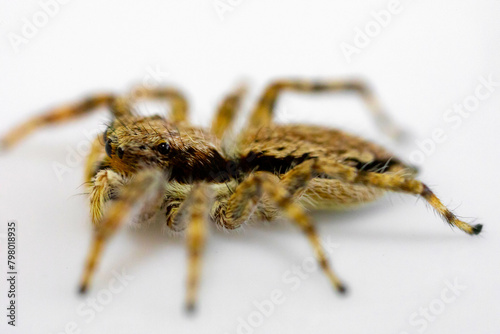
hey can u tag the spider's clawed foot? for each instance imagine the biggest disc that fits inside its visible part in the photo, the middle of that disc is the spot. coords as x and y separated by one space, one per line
342 289
476 229
190 308
82 289
466 227
339 287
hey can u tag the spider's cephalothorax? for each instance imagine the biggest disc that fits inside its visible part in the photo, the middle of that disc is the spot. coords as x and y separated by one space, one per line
189 154
192 176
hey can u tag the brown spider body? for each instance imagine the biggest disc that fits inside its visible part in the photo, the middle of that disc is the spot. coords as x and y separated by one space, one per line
144 165
196 155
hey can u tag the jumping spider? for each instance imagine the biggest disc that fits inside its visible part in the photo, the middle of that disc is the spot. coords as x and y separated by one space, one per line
193 176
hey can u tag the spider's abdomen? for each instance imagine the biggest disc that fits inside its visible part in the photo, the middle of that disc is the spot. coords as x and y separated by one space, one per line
279 148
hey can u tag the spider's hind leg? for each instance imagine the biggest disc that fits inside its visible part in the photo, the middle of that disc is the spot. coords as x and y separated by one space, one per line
392 182
262 114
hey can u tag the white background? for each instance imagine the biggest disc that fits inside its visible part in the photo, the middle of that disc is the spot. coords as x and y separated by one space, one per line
395 255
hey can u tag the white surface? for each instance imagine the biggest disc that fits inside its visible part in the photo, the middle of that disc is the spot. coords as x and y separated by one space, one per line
394 255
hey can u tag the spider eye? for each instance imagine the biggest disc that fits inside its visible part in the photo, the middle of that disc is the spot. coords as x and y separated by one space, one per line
163 148
105 136
109 151
120 152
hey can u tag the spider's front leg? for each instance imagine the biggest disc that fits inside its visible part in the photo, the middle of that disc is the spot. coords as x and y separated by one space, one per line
143 192
105 187
250 192
179 105
118 106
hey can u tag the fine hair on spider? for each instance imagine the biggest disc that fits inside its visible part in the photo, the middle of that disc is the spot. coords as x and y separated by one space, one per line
192 176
